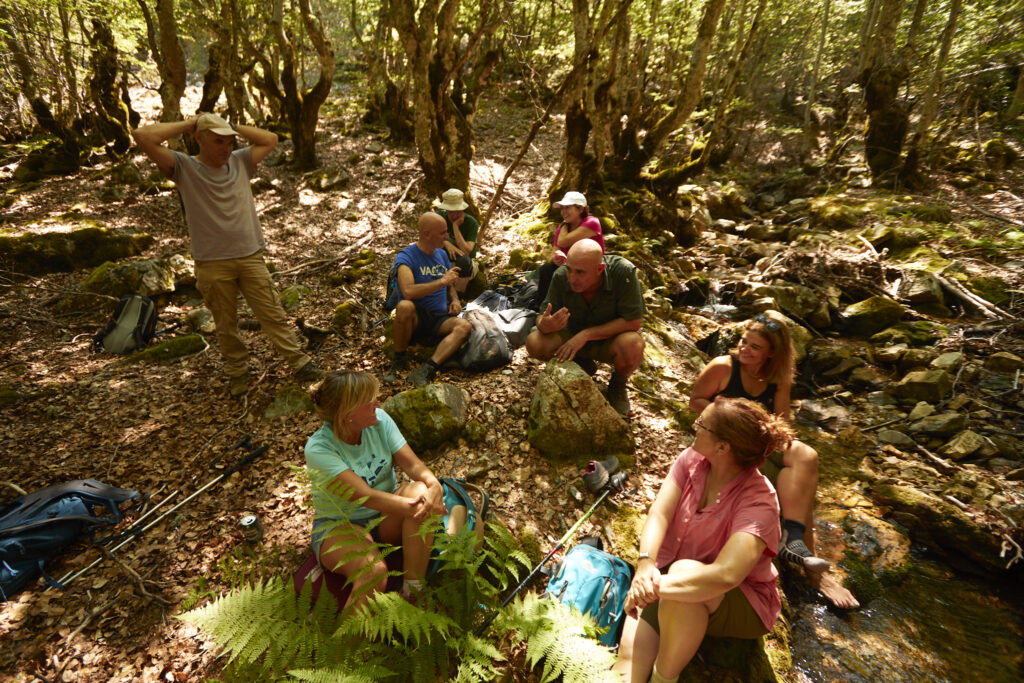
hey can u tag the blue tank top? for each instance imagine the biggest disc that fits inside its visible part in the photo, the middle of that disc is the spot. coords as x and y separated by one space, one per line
735 389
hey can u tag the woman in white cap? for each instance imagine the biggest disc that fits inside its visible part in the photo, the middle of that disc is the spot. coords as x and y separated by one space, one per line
577 224
462 232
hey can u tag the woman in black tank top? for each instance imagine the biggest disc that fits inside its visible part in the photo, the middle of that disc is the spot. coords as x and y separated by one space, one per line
761 368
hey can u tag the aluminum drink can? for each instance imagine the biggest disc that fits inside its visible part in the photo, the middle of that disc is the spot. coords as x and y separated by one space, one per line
251 529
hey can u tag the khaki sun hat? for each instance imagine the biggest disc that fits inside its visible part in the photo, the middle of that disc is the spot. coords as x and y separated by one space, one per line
452 200
214 124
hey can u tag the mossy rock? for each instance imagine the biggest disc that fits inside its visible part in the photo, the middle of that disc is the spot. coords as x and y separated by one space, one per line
148 278
46 161
344 315
833 214
523 259
178 347
916 333
366 257
474 432
475 287
871 315
328 179
83 247
10 396
292 296
998 154
990 288
429 417
290 401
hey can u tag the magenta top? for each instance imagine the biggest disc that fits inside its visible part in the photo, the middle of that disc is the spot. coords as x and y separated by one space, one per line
588 222
748 504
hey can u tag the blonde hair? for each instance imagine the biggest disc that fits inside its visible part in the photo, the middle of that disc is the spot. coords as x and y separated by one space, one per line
342 392
752 432
780 368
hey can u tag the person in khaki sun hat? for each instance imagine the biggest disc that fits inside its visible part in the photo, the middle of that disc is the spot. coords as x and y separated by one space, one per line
225 233
462 233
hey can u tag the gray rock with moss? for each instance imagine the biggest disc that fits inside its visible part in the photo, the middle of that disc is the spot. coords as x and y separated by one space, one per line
178 347
290 400
795 299
923 385
943 424
85 246
148 278
869 316
570 420
429 417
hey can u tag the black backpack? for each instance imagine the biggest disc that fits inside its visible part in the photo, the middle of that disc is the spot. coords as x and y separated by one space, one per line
391 291
131 328
39 526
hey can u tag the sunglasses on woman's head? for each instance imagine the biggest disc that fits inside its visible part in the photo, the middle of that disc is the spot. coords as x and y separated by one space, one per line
769 324
699 424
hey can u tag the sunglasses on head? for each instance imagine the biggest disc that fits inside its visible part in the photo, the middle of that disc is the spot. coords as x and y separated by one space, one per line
769 324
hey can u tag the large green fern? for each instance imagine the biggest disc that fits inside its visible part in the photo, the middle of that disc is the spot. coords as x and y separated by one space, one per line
266 625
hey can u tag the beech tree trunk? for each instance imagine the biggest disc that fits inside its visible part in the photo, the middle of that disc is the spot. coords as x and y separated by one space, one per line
111 114
1017 104
169 56
810 131
882 78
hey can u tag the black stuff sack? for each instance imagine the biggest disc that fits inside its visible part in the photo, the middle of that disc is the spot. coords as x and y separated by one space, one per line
41 525
131 328
392 294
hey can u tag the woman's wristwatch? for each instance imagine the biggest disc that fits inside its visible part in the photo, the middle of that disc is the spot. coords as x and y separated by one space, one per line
643 556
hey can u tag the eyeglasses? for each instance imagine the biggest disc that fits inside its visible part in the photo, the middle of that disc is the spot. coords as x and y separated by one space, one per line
769 324
699 424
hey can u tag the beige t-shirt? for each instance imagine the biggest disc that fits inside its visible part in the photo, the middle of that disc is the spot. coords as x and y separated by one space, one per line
219 208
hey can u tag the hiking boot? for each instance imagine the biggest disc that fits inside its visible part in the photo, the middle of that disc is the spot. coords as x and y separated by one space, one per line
398 365
238 385
617 395
595 477
423 375
797 553
310 372
587 365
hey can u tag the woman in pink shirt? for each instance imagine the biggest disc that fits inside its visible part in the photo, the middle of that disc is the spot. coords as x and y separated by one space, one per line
705 563
577 224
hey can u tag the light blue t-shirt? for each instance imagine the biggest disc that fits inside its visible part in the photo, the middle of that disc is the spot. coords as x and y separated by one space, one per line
327 457
427 268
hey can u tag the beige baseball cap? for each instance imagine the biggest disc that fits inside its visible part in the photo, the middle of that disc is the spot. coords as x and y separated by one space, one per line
214 124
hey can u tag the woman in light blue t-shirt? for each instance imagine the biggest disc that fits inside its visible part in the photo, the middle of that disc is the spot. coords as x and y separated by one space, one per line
357 447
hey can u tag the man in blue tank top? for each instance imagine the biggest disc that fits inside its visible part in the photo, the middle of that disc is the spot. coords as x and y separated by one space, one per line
428 303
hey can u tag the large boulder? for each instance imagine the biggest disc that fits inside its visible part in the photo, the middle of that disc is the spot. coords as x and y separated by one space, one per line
923 385
794 299
943 424
82 247
430 416
571 420
921 287
148 278
869 316
291 400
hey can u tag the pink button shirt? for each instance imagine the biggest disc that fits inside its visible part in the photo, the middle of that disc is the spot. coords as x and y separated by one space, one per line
747 503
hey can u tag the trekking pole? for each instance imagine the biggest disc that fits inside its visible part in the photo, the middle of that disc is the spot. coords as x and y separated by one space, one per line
220 477
615 485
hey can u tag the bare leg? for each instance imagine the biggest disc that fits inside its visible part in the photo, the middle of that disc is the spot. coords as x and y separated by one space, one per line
543 346
456 330
627 353
349 550
404 325
683 626
415 549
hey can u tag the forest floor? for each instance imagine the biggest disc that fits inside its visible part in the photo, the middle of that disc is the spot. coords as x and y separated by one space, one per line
157 428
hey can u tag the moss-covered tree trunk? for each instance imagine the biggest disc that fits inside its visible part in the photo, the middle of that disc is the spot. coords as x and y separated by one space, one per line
110 112
387 99
1017 104
881 79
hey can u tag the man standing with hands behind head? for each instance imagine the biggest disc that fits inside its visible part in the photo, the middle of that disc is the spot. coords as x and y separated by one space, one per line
226 237
427 310
593 312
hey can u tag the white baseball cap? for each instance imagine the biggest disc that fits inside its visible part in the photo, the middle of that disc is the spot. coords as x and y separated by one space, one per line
571 199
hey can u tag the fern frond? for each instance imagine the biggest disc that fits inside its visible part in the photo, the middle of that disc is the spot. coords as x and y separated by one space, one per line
388 616
476 659
361 673
266 619
556 635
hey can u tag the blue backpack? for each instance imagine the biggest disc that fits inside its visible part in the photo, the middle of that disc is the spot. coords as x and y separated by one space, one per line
595 583
40 526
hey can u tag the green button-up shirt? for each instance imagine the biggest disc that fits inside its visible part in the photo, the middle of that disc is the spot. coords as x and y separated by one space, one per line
619 296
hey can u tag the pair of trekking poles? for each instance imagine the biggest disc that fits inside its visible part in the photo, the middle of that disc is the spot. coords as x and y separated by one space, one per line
137 529
597 478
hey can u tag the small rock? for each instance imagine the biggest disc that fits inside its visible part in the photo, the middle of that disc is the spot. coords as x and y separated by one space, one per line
921 410
943 424
891 436
880 398
950 362
375 147
914 358
1004 361
890 354
923 385
962 445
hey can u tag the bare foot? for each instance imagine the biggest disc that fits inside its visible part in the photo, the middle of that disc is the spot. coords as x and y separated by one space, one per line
832 590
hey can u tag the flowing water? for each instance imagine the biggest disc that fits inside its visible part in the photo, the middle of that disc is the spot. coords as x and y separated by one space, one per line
933 625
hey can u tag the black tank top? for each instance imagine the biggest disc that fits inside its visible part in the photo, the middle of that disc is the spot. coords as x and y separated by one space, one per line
735 389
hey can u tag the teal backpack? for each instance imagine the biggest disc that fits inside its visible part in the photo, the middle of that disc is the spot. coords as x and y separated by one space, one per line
595 583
